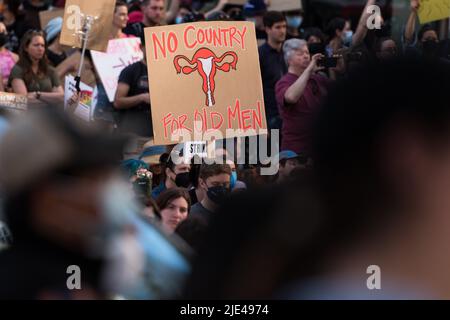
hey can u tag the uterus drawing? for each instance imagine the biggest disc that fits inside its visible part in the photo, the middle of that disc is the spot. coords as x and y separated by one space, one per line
206 63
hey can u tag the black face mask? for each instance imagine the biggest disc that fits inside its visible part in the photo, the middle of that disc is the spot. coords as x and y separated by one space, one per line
218 194
316 48
430 47
183 180
3 39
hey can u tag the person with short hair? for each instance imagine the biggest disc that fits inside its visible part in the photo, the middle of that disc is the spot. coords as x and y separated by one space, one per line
299 94
288 161
120 20
272 63
154 14
132 100
215 181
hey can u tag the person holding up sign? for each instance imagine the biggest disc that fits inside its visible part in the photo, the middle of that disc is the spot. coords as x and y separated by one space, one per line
32 75
132 100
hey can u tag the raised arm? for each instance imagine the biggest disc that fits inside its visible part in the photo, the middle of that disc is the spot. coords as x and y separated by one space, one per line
173 10
361 29
295 91
411 23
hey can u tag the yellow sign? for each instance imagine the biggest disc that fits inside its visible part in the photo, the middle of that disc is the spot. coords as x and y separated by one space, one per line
432 10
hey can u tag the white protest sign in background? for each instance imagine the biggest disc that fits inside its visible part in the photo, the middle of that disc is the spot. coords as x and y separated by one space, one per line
86 105
120 54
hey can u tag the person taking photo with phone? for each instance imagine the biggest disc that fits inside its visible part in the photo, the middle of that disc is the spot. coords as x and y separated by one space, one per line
299 94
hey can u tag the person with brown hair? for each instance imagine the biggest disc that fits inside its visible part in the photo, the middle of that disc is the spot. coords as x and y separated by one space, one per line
174 205
32 75
215 180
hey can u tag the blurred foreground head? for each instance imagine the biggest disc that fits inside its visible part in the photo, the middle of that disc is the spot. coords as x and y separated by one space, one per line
378 196
62 201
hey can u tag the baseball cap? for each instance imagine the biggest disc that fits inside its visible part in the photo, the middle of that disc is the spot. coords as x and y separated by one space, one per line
287 154
254 7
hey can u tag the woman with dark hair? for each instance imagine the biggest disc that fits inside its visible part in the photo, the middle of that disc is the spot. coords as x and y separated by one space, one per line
174 205
339 35
32 75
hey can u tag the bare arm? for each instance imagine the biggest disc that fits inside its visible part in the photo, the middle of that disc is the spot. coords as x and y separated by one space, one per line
411 23
56 97
361 30
121 100
220 5
294 93
173 10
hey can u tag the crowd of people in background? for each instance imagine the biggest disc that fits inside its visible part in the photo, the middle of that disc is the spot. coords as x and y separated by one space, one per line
58 179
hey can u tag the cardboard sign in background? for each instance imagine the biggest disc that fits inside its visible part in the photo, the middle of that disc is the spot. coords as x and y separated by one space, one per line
120 54
99 35
177 88
46 16
432 10
285 5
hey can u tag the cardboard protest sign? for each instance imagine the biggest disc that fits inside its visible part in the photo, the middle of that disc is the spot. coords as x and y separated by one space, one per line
13 103
46 16
74 13
86 105
120 53
204 77
432 10
285 5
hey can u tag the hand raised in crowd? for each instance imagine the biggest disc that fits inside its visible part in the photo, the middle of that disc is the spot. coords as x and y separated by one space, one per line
415 4
313 65
2 28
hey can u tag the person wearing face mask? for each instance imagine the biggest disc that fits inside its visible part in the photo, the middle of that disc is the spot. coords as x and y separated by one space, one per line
294 20
215 181
340 35
177 175
254 11
183 11
424 43
8 59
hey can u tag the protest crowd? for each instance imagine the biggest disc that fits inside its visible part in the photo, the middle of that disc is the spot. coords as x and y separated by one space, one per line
356 105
